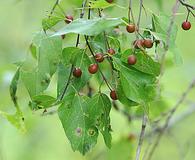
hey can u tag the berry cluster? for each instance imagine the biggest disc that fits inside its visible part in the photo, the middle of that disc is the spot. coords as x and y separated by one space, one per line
99 57
141 43
131 60
93 69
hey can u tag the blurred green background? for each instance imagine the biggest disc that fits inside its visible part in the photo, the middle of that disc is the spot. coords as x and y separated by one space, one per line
45 138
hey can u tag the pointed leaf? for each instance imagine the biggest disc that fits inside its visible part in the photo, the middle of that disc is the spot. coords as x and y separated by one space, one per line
14 86
16 120
137 86
100 111
48 23
78 125
89 27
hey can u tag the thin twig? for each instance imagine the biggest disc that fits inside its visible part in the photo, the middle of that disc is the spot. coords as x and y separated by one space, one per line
187 5
182 116
67 83
141 138
140 14
165 126
129 11
55 5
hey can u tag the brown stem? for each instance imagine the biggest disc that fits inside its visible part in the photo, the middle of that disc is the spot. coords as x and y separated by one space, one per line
141 138
187 5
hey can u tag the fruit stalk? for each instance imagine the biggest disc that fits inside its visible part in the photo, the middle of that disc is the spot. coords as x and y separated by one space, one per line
90 49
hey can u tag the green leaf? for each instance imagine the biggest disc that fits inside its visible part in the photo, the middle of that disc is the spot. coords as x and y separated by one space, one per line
36 42
159 36
79 59
35 82
100 107
49 55
79 125
98 43
122 97
144 62
14 86
33 50
161 25
16 120
83 118
63 75
37 39
82 61
137 86
69 55
48 23
45 101
114 41
89 27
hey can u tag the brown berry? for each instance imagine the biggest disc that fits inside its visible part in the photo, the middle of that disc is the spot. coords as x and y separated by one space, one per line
77 72
113 95
138 43
186 25
111 51
132 60
93 68
109 1
148 43
99 57
69 19
130 28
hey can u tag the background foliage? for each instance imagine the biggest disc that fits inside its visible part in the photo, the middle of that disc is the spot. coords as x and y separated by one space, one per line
19 21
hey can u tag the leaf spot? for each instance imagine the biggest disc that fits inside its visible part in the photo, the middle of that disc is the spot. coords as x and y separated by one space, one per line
78 131
91 132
